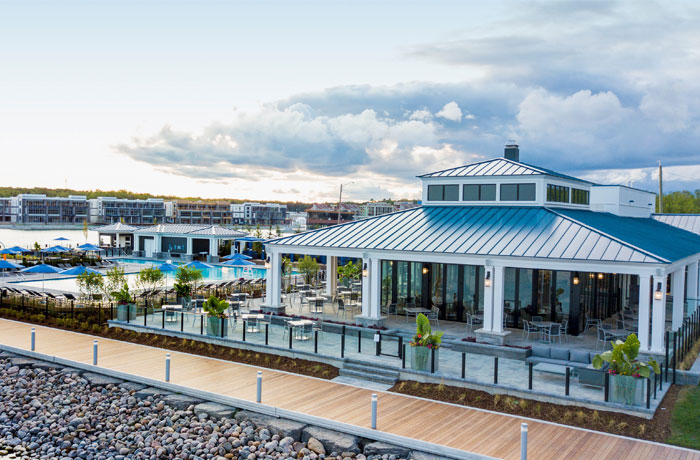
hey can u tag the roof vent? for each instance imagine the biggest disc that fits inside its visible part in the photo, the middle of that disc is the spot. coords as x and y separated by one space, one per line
512 152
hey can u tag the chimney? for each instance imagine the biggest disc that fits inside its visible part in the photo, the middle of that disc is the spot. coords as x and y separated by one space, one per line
512 152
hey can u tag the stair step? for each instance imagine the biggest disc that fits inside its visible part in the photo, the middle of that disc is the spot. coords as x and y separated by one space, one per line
366 376
368 369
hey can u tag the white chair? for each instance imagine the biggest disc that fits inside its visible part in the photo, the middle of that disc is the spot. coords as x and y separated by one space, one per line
433 315
472 321
549 334
565 329
529 328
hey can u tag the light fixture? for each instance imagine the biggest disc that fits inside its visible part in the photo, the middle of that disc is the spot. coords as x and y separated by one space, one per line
591 275
600 276
365 272
425 270
658 294
267 262
576 278
487 279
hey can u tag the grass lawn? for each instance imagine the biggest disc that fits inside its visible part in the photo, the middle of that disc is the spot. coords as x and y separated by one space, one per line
685 422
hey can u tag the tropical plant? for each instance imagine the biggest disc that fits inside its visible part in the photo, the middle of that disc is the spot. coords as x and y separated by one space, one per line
349 271
122 296
186 279
424 336
37 246
150 278
113 280
89 284
215 307
623 359
182 290
308 267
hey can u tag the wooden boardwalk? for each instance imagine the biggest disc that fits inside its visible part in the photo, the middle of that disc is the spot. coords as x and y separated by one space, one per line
486 433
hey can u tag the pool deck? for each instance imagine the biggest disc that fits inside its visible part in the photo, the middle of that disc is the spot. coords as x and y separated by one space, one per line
473 430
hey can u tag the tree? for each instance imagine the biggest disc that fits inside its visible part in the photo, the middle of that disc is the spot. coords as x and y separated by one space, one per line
309 268
113 281
349 271
258 232
89 284
287 268
150 278
186 279
278 230
37 246
85 229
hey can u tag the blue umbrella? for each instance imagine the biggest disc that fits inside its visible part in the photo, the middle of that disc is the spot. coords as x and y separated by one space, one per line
79 270
239 262
55 249
198 265
5 264
42 268
167 267
60 238
89 247
9 251
236 255
20 249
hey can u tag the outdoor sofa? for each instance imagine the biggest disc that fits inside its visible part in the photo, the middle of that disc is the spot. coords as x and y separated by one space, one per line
578 360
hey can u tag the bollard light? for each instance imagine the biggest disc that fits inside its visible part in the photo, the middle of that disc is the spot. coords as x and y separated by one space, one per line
94 352
523 441
259 395
374 411
33 341
167 367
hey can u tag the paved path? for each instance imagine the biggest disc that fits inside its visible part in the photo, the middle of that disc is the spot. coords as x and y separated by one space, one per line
486 433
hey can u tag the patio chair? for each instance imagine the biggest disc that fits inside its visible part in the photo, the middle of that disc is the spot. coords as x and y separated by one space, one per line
471 322
528 328
318 326
287 327
433 315
565 329
550 333
536 319
343 308
592 322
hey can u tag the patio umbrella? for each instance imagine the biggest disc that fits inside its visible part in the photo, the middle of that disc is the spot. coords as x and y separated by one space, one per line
87 247
236 255
43 269
20 249
5 264
55 249
79 270
60 238
9 251
165 268
198 265
238 262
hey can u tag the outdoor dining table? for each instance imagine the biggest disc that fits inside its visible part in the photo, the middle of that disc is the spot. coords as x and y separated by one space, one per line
297 328
542 326
415 311
170 310
252 321
317 302
618 333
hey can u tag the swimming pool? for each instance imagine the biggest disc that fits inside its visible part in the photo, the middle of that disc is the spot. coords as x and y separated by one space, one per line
216 273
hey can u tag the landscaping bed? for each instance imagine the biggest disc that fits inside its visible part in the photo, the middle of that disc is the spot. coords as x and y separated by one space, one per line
270 361
657 429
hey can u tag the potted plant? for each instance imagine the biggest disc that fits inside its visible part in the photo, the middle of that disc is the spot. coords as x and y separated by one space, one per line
627 373
423 344
348 273
125 307
216 317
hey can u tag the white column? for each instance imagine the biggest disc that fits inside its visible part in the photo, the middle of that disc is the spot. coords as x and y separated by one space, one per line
331 275
643 322
498 287
658 321
366 307
269 283
213 247
692 287
375 282
136 242
678 292
158 244
488 300
117 244
276 269
189 246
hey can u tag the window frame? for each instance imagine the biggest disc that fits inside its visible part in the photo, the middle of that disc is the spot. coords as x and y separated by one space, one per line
480 192
518 193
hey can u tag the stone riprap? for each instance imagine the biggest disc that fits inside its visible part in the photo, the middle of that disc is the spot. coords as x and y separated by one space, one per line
54 413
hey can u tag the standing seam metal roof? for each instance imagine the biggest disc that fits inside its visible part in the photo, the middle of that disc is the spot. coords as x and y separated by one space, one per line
536 232
689 222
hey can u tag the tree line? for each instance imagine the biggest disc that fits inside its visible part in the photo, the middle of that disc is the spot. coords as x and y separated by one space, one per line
683 202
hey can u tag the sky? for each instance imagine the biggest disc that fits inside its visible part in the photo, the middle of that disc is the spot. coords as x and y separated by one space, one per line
279 100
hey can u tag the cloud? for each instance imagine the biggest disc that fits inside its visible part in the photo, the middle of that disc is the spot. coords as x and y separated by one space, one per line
450 111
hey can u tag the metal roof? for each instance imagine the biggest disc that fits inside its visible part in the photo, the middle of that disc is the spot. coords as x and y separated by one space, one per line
190 229
116 227
498 167
536 232
689 222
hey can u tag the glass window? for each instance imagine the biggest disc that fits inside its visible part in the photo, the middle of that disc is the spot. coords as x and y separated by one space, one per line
387 272
401 284
451 292
518 192
479 192
526 192
469 289
557 193
509 192
451 192
436 292
579 196
416 294
435 192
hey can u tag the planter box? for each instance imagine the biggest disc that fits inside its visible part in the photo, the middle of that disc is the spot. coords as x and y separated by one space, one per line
627 390
420 358
124 310
214 325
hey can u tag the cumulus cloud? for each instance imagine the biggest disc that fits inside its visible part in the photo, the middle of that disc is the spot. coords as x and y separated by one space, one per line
450 111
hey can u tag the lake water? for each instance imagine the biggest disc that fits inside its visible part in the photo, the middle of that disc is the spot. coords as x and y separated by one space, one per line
27 238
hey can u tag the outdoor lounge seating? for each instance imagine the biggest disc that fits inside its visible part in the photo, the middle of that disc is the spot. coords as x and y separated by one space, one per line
560 356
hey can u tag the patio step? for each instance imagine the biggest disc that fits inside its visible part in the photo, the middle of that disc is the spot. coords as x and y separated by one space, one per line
372 373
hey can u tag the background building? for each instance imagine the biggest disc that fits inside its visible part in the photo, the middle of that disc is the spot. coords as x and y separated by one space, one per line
263 214
108 210
40 209
324 214
202 212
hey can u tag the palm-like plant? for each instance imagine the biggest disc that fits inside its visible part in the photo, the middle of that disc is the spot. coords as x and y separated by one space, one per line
215 307
424 336
623 359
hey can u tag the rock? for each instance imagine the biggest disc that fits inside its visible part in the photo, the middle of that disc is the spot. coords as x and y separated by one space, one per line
47 366
181 402
23 362
416 455
71 370
331 440
280 426
150 391
132 386
382 448
215 410
315 445
100 380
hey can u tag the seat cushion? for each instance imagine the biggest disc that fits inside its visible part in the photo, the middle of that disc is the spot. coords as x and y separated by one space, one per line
541 351
559 353
580 356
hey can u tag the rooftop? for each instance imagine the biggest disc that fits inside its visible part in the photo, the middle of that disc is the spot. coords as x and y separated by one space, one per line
189 229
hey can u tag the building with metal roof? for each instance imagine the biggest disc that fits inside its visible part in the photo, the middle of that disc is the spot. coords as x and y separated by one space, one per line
506 242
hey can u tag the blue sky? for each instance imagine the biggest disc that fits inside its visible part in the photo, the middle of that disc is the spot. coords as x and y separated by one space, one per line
287 100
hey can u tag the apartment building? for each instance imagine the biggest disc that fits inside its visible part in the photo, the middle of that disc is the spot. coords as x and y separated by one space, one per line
109 210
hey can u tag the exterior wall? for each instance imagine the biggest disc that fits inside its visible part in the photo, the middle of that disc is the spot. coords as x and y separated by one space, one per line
40 209
8 210
107 210
622 201
199 212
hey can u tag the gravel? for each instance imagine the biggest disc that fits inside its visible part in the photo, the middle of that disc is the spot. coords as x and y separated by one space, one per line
51 413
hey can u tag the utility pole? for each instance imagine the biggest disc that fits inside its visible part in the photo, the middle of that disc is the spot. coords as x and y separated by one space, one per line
340 199
661 190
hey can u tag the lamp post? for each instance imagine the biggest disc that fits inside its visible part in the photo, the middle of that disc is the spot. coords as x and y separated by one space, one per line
340 198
